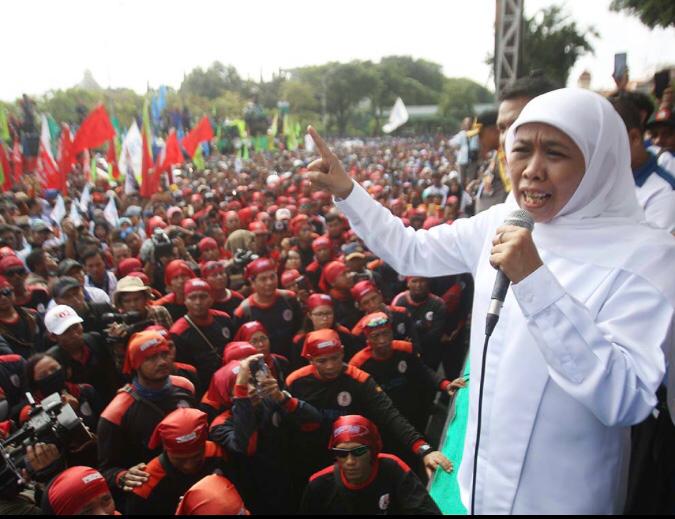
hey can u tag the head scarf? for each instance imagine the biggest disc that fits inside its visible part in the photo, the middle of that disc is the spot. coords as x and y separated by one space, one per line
176 268
316 300
604 205
127 266
212 495
207 244
374 321
321 342
356 429
142 346
182 431
259 266
289 277
212 267
9 262
362 289
74 488
330 274
238 350
196 285
247 330
322 242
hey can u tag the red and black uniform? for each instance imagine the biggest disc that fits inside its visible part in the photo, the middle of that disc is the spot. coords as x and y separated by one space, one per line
402 326
201 343
187 371
228 305
128 422
352 344
391 489
354 392
282 319
24 334
345 309
12 382
409 382
391 282
96 368
176 310
313 272
259 439
160 494
430 319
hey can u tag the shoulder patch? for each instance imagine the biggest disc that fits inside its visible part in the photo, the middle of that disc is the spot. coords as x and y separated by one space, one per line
356 374
182 383
305 371
6 359
157 474
185 367
360 358
219 313
118 407
179 327
221 419
403 466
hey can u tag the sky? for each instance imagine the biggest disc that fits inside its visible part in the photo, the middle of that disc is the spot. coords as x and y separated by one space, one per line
136 43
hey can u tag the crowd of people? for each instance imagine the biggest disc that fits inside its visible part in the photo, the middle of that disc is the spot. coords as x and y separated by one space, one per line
232 346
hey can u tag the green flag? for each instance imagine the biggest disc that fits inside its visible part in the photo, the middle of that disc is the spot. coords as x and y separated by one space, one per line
198 159
4 127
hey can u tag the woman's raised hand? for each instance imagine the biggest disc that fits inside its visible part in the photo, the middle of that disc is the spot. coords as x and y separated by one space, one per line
327 172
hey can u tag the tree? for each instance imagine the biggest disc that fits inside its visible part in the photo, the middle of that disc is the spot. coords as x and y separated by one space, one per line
553 44
212 82
459 97
346 85
653 13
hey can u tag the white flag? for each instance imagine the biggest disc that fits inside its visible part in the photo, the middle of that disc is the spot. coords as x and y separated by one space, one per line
309 143
131 154
85 198
75 214
59 211
110 212
397 117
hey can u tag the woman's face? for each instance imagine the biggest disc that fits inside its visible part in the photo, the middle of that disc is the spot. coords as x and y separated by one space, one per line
546 167
293 261
322 317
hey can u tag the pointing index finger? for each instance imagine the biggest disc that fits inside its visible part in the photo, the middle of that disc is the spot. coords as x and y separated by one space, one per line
324 150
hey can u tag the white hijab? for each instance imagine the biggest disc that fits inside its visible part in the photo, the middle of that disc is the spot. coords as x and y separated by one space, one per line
602 223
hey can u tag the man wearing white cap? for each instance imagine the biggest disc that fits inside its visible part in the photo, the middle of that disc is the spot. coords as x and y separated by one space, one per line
85 355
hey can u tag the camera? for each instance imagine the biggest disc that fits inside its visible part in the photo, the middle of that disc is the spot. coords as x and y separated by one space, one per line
163 246
243 257
133 320
51 421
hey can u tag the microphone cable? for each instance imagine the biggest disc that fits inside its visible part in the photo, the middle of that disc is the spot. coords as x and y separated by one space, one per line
478 425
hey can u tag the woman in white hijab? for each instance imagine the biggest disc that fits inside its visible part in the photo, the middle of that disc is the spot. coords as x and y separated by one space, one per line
578 353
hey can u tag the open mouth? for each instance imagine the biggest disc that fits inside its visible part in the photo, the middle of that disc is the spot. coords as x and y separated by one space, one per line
535 199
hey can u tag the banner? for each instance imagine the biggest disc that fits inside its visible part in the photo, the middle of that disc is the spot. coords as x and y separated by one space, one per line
397 117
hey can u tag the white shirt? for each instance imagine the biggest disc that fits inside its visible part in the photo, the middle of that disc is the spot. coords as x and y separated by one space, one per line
574 362
112 282
93 294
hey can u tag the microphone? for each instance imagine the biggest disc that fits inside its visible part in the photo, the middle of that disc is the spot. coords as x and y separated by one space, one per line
519 218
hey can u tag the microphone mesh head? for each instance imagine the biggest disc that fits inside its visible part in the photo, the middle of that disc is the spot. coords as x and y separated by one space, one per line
520 218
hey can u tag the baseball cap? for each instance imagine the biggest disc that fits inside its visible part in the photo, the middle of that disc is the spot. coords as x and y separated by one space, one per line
63 285
60 318
39 226
67 265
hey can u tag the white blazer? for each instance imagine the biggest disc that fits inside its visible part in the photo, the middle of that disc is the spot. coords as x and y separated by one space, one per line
574 361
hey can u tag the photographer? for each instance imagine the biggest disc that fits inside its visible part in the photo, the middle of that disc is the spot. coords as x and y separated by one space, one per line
85 356
256 430
133 296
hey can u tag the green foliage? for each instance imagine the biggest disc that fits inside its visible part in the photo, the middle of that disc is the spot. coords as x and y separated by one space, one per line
212 82
459 97
346 85
653 13
552 43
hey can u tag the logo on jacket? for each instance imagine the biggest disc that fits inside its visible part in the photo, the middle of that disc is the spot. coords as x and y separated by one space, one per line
344 399
400 328
384 502
429 316
287 315
402 366
226 333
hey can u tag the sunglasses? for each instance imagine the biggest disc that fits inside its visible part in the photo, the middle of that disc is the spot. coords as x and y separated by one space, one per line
6 292
357 452
15 272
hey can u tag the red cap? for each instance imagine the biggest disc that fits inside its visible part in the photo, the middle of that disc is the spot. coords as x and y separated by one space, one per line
258 267
362 289
182 431
142 346
289 277
247 330
372 322
330 274
154 223
322 242
75 488
188 223
297 222
238 350
207 244
321 342
262 216
176 268
9 262
316 300
258 228
196 285
127 266
212 495
142 276
7 251
212 267
431 221
353 428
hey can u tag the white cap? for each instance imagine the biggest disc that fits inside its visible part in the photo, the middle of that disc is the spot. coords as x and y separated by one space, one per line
282 214
60 318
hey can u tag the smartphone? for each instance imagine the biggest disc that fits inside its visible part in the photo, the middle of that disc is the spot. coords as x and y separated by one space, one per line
620 65
661 82
259 371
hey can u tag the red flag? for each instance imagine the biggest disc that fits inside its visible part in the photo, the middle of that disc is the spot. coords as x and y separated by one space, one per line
17 161
149 177
201 132
111 158
65 156
4 167
171 155
96 129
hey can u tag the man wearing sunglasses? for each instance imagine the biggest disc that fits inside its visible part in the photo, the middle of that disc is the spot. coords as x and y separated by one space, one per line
31 296
363 480
337 389
20 327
